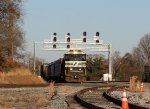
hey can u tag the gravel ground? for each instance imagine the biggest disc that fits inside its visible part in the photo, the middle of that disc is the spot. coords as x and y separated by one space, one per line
35 98
139 98
39 98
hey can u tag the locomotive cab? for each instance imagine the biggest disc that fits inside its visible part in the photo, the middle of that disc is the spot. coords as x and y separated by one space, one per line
75 66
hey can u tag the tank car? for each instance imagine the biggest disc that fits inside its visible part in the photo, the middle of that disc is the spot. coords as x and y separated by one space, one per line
75 66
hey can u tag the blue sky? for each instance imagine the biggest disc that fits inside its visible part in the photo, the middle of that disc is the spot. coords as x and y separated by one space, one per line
120 22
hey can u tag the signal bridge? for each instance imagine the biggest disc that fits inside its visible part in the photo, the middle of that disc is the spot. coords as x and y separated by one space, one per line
95 44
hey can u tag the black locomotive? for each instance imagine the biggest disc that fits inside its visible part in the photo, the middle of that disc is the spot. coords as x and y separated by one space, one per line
72 68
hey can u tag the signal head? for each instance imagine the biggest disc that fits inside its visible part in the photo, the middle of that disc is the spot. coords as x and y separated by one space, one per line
68 34
84 39
97 41
54 39
68 46
55 34
84 33
68 39
97 33
54 46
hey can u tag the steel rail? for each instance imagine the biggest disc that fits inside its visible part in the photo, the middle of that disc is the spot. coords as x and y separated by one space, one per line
89 104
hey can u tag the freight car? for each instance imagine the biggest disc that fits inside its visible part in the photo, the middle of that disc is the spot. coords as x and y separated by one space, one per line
53 70
43 71
72 68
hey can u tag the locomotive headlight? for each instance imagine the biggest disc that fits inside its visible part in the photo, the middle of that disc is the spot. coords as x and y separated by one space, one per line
80 69
75 52
71 69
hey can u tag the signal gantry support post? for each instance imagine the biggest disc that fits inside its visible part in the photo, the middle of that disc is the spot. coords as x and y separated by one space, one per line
34 63
34 55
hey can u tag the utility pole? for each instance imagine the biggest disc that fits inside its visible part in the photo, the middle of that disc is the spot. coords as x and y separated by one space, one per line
34 62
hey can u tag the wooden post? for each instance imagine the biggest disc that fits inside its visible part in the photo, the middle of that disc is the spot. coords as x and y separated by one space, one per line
133 83
51 90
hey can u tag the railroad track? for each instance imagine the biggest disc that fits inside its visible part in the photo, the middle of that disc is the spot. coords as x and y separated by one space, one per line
99 98
72 102
92 98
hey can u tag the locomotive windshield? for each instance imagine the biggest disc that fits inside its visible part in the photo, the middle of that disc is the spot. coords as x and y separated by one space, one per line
75 57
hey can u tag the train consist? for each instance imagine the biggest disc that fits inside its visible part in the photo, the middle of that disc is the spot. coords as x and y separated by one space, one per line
71 68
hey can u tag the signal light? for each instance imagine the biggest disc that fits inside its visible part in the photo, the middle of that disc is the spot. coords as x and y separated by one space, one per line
68 34
84 36
54 38
55 34
84 39
54 46
68 46
84 33
97 33
97 41
68 39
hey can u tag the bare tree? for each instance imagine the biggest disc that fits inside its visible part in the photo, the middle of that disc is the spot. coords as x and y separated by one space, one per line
138 58
116 62
144 47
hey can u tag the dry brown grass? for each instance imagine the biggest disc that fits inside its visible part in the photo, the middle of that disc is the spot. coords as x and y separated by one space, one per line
20 76
19 71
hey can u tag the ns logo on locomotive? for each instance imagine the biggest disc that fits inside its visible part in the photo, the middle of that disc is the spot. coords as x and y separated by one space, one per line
71 68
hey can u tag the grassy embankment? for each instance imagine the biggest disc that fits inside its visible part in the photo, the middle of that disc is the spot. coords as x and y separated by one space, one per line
20 76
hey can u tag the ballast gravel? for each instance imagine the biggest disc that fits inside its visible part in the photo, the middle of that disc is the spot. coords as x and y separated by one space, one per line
35 98
138 98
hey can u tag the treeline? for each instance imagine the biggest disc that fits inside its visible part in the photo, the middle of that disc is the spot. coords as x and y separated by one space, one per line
97 65
123 67
132 63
